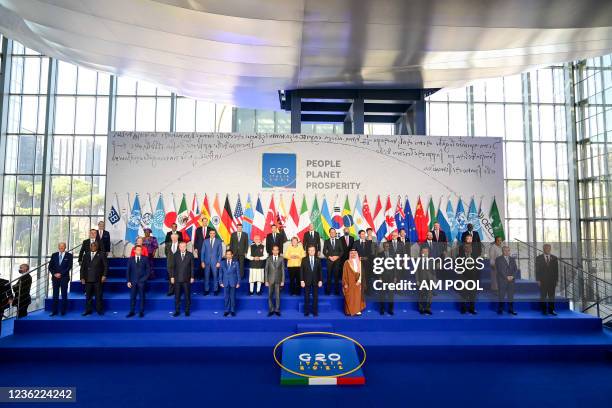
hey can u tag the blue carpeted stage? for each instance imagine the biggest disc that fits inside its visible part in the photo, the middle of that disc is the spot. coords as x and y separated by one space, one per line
142 361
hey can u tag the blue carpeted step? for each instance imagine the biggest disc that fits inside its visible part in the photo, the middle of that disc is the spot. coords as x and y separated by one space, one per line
247 321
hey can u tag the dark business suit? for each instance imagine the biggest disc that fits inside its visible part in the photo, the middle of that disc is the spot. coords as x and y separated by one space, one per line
85 249
312 238
274 274
201 234
334 268
60 285
476 245
137 274
229 277
347 243
182 274
385 297
439 237
365 251
239 247
278 239
22 298
470 274
168 238
547 274
104 240
311 275
6 294
92 271
170 264
504 269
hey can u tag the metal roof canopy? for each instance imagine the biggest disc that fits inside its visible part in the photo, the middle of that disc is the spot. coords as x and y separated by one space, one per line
404 108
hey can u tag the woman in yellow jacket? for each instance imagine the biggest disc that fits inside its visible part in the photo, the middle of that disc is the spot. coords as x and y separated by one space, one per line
294 254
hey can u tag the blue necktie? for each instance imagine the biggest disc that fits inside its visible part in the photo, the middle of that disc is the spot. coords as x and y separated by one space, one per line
311 263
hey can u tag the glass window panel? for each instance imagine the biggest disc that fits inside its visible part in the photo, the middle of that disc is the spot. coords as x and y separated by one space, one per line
125 115
514 122
22 236
64 114
103 83
515 169
495 89
145 114
87 81
85 114
439 126
185 115
146 88
8 194
81 195
79 227
245 120
457 119
517 229
60 195
126 86
97 197
495 120
59 231
513 88
14 113
29 114
265 121
162 115
38 164
223 118
17 75
516 195
283 122
205 116
101 115
12 148
545 86
31 75
62 154
100 148
66 78
83 154
548 164
6 238
42 112
27 154
563 192
457 94
480 120
25 193
547 123
549 199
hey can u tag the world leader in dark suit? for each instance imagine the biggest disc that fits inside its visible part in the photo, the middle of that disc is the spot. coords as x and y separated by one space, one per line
103 238
93 274
332 251
182 278
547 275
274 273
507 272
312 237
311 279
138 272
275 237
239 244
60 266
86 245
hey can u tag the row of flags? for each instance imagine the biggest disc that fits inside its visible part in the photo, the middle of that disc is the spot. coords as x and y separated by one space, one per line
384 218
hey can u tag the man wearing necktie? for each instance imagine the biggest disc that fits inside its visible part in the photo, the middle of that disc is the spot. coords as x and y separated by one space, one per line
93 274
211 254
229 280
138 271
311 279
59 268
104 238
476 245
507 272
347 242
275 279
182 278
275 237
547 275
171 248
312 237
239 244
332 250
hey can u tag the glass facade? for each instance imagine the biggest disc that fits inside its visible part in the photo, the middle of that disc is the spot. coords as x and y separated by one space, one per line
556 124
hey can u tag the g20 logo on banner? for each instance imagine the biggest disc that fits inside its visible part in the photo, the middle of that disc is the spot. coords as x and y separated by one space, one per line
278 170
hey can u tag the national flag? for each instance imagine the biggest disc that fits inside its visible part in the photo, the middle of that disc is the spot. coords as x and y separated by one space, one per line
367 214
170 217
452 221
194 218
271 217
347 219
158 220
336 220
411 231
146 214
205 211
182 219
496 222
358 218
247 217
133 224
379 217
461 220
472 217
326 221
444 224
485 225
227 226
116 220
389 224
400 216
304 219
316 218
292 221
281 215
215 214
432 214
259 221
238 213
421 222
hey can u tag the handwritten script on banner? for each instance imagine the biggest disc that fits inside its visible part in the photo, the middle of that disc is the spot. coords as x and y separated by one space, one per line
335 166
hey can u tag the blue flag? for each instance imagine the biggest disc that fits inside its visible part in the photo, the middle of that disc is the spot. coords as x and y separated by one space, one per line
133 225
411 231
461 220
247 216
157 224
452 221
444 225
472 217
